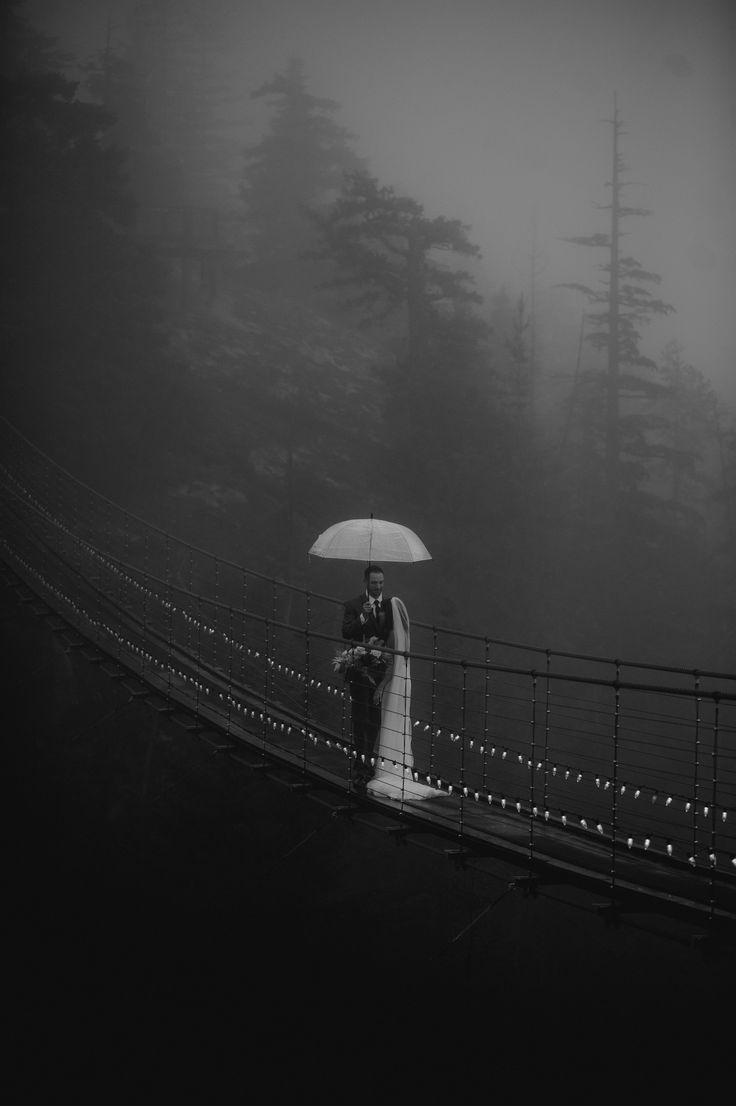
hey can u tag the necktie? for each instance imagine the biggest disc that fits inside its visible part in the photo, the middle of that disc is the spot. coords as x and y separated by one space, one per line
376 609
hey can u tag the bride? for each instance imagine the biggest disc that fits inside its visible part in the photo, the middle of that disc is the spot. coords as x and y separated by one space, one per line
394 772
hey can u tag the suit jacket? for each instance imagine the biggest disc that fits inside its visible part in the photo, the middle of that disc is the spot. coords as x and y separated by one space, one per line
354 630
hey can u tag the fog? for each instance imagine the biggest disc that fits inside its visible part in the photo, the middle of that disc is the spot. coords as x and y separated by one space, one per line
492 111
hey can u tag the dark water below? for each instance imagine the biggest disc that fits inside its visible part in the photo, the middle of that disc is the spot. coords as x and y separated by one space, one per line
181 918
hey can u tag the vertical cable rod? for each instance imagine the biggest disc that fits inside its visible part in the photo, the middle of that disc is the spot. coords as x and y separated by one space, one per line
433 704
215 611
713 799
531 765
614 776
463 722
486 701
144 612
266 678
696 768
170 619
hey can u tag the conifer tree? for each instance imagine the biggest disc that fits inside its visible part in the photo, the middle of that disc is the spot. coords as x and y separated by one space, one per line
297 165
389 254
97 368
114 81
622 305
386 250
686 411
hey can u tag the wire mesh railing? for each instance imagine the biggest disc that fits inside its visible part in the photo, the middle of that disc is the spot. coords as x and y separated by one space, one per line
630 763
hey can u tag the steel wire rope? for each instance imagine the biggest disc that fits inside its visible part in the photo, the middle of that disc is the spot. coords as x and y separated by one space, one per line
644 666
656 689
576 709
88 586
87 582
590 763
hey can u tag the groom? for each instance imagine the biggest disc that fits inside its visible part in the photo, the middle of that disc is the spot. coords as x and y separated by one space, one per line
367 616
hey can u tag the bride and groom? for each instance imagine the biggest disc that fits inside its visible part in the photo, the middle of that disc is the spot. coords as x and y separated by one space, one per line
381 695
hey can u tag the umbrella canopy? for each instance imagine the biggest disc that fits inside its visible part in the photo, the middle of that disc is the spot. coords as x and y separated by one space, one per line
370 539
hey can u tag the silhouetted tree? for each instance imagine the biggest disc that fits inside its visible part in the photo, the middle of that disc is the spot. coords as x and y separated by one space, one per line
25 48
84 356
297 165
624 304
386 249
114 81
437 422
686 411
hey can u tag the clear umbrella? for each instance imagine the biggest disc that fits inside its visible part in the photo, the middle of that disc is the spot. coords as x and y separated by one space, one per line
370 539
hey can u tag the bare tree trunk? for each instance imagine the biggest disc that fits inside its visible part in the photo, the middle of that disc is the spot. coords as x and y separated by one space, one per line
612 380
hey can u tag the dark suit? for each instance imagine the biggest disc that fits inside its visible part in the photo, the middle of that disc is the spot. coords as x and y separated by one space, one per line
366 714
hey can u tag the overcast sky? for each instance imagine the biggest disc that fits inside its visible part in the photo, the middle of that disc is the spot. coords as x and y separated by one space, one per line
492 110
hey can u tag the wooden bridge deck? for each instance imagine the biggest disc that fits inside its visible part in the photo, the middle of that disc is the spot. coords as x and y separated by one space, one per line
465 830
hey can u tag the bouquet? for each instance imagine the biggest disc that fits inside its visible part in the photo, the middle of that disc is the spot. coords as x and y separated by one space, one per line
366 660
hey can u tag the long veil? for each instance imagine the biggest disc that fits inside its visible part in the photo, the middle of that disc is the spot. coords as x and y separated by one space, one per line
394 756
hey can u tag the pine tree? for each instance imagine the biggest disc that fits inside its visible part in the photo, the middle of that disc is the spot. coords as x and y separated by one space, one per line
624 303
686 411
386 249
388 253
296 166
114 81
96 371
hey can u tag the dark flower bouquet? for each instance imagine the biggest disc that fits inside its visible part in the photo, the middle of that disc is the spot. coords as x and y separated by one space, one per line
367 660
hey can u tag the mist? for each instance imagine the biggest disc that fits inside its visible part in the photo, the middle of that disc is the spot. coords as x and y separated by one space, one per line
493 113
267 414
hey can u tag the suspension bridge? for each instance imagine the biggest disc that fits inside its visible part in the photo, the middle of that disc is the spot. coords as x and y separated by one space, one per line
609 774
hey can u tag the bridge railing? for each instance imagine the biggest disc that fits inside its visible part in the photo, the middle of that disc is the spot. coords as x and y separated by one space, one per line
634 759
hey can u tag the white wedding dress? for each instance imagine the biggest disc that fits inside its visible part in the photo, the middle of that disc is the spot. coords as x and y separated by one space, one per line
394 769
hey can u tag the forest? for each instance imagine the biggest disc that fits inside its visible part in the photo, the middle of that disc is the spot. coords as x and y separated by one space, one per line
244 334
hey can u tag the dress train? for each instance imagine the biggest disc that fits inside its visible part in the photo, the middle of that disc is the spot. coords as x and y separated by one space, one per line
394 775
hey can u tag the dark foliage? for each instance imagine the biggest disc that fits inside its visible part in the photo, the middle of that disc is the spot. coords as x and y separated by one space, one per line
85 357
297 165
